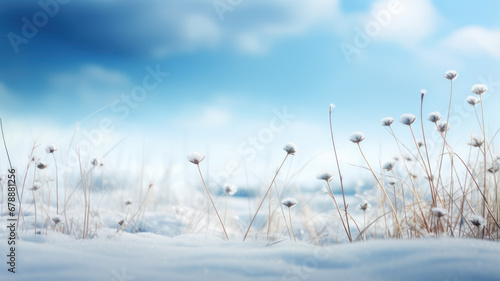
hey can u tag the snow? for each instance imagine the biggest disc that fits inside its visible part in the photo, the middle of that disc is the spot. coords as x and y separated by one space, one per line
147 256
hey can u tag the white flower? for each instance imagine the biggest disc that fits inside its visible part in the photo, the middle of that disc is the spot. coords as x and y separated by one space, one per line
473 100
325 175
479 89
407 119
387 121
423 91
230 189
195 157
35 186
439 212
290 148
332 106
51 148
289 202
442 126
97 162
41 165
434 116
476 141
357 137
477 221
451 75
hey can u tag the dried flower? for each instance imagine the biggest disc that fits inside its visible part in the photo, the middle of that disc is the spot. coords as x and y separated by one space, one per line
195 157
439 212
128 202
97 162
290 148
387 121
289 202
357 137
230 189
408 119
434 116
420 143
477 221
56 219
479 89
364 206
423 91
121 222
35 186
51 148
325 175
392 182
442 126
472 100
451 75
476 141
332 106
494 169
388 166
41 165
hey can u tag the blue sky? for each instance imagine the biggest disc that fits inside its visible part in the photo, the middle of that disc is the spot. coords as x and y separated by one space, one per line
227 73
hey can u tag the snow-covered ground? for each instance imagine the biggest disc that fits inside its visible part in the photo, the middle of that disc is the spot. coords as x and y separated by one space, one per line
147 256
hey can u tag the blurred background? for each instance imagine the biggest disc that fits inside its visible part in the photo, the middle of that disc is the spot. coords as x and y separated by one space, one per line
143 83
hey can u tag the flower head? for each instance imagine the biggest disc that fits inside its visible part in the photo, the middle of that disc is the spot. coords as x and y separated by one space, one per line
290 148
56 219
434 116
472 100
357 137
128 202
289 202
451 75
389 166
51 148
41 165
479 89
494 169
332 106
230 189
195 157
476 141
407 119
97 162
387 121
477 221
439 212
35 186
423 91
442 126
325 175
364 206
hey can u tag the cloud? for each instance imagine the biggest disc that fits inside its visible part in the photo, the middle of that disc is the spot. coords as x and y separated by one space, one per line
474 40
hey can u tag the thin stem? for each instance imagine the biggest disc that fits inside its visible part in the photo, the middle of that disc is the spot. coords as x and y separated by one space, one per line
269 220
199 170
260 205
57 185
34 204
291 225
338 210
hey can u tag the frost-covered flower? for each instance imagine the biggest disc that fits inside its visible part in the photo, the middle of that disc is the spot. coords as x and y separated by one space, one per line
56 219
230 189
392 182
439 212
128 202
195 157
332 106
97 162
325 175
423 91
51 148
442 126
387 121
451 75
357 137
434 116
479 89
289 202
476 141
363 206
35 186
472 100
420 143
477 221
494 169
41 165
407 119
388 166
290 148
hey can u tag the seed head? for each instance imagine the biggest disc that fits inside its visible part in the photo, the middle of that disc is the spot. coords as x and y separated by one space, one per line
477 221
476 141
195 157
442 126
364 206
325 175
41 165
391 182
494 169
290 148
121 222
439 212
434 116
407 119
128 202
332 106
479 89
289 202
97 162
388 166
56 219
472 100
230 189
387 121
51 148
357 137
35 186
423 91
451 75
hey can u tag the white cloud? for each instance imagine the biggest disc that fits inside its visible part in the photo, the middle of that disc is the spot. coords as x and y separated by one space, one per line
474 40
